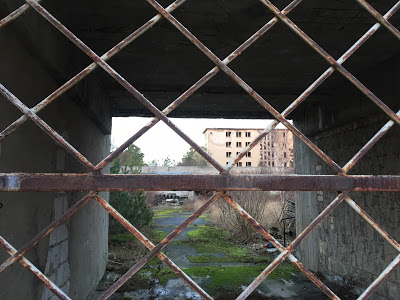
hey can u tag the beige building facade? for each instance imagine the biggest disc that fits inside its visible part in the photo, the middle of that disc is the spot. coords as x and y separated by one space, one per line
274 150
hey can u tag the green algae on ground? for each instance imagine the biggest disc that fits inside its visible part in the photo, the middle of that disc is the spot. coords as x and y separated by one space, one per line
208 240
215 279
209 258
230 279
157 236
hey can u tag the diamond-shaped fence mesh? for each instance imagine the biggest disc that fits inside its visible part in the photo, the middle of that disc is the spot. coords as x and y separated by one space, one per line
94 182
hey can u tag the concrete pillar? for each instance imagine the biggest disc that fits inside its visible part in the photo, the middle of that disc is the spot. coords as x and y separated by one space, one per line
345 246
74 256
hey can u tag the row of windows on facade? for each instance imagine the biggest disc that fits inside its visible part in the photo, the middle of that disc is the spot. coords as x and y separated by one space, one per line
240 164
238 134
229 154
238 144
272 164
271 154
248 134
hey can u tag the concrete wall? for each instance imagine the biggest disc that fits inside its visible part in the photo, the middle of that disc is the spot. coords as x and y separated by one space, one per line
74 256
344 246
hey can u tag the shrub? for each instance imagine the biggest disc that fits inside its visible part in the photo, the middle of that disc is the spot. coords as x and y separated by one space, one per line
133 207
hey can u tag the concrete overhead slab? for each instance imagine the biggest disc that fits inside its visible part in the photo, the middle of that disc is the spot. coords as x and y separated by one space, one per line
162 63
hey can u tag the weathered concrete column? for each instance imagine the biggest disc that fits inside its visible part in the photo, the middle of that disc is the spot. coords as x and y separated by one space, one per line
74 256
345 245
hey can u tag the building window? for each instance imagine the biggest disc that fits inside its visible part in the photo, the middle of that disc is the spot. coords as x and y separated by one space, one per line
247 143
272 145
248 163
228 154
269 164
228 134
228 144
273 164
238 134
227 162
239 164
285 165
269 144
238 144
269 154
237 153
248 154
248 134
284 154
273 154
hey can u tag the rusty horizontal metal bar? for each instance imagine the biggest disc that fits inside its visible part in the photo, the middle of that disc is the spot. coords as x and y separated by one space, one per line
312 88
257 226
45 232
85 72
22 182
112 211
159 247
46 128
117 77
15 14
245 86
379 18
210 74
31 267
352 79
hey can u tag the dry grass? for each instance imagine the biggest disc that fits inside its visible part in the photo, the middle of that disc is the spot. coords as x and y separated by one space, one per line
265 207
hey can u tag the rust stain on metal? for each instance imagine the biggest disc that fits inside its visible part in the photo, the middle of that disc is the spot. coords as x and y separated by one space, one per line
27 264
59 182
277 245
159 247
374 285
45 232
85 72
379 17
151 246
46 128
15 14
331 61
375 225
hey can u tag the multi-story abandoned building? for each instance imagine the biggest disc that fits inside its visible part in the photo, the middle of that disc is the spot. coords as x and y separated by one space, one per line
274 150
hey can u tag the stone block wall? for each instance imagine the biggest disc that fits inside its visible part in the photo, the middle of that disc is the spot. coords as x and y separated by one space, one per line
345 247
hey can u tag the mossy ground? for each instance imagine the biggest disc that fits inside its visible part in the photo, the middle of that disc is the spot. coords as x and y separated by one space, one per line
213 245
210 240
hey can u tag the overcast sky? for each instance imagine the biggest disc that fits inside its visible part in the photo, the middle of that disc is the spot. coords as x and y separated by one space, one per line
160 141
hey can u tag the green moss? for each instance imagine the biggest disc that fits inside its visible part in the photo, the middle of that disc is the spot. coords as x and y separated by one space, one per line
208 258
230 279
157 236
208 234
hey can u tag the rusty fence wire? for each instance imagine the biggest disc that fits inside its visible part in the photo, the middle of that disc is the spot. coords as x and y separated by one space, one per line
94 181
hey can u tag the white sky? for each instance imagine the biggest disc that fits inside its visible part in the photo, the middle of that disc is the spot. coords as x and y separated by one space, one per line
160 141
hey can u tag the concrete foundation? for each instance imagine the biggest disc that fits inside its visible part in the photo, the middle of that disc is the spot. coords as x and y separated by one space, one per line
74 255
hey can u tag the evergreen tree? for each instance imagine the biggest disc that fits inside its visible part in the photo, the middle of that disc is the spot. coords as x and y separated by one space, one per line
131 205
